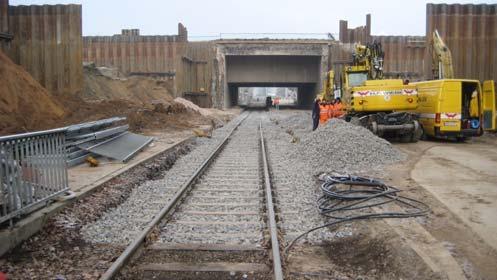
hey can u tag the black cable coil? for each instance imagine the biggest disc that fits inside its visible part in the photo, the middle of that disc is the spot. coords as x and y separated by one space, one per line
347 198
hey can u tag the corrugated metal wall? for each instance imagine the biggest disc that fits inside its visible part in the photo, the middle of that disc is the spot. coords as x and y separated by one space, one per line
47 43
470 31
4 16
191 62
359 34
140 54
197 65
404 56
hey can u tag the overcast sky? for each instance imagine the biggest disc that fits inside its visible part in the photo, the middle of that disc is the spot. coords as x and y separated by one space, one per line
212 17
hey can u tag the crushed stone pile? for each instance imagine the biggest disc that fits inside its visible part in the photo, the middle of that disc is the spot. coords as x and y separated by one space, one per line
345 148
298 120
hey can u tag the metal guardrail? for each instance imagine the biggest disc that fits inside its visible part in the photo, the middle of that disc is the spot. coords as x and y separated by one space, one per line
33 170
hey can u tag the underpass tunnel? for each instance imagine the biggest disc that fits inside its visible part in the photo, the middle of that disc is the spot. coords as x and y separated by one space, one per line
306 93
273 71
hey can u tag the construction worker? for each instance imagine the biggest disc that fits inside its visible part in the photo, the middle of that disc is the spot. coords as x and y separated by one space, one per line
315 114
331 109
473 105
269 102
324 114
277 102
338 108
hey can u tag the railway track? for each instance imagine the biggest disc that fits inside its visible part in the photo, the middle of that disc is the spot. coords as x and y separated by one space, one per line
221 223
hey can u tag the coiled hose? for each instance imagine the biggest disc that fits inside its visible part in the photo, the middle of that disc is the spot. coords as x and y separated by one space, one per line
346 198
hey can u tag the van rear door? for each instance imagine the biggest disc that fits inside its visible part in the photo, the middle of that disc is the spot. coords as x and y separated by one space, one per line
489 106
450 106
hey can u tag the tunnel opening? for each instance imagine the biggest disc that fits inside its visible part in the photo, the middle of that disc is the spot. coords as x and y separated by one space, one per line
292 95
300 72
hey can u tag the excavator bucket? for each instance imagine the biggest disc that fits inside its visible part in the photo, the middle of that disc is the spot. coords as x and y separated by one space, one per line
489 106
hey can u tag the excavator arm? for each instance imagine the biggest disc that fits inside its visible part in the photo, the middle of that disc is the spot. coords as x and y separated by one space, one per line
441 58
370 57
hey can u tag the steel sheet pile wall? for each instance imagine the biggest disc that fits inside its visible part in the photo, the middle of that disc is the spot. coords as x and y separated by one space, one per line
360 34
188 63
339 54
134 54
47 43
470 31
196 73
4 16
404 56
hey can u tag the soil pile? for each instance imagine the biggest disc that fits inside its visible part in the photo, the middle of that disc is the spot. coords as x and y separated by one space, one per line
192 106
139 116
343 147
147 103
24 104
100 85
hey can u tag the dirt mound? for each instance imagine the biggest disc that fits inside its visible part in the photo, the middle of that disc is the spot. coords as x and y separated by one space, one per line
99 85
24 104
139 117
147 103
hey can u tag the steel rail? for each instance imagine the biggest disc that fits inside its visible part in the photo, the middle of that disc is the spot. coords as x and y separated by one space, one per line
273 229
166 210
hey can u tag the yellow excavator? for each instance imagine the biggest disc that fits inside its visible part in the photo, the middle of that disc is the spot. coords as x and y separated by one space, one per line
384 106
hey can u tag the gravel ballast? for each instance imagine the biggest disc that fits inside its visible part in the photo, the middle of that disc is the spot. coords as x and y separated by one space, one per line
340 146
233 179
297 155
121 224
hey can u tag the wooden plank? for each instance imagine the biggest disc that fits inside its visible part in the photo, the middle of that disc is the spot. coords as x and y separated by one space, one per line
204 247
206 267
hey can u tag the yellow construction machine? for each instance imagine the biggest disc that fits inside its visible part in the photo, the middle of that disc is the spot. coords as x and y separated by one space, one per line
384 106
441 58
328 87
449 107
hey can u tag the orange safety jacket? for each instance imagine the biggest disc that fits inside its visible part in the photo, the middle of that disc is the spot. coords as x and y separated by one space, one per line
338 110
324 114
331 111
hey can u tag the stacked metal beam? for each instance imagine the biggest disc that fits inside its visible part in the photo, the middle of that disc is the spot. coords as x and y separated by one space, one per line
102 138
